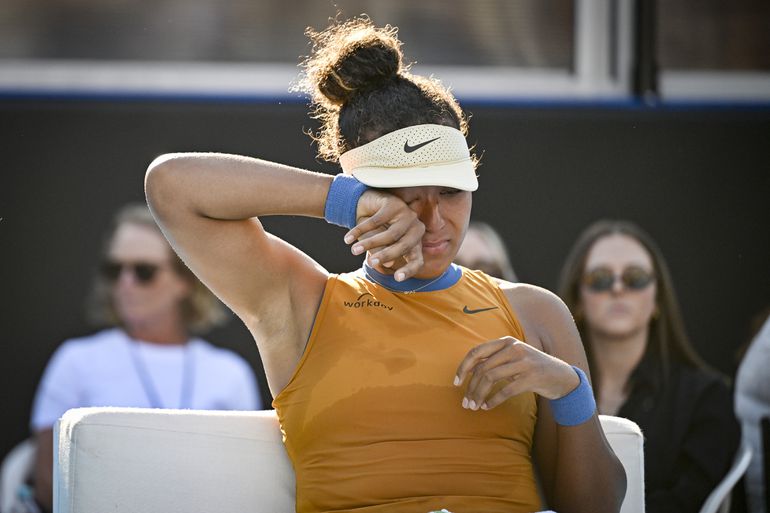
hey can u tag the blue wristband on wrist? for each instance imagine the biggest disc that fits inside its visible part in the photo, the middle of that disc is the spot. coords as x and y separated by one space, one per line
342 200
576 407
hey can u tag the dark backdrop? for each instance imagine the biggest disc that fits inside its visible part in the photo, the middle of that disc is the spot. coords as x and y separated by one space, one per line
696 179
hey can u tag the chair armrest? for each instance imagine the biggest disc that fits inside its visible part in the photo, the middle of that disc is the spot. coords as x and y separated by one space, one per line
627 441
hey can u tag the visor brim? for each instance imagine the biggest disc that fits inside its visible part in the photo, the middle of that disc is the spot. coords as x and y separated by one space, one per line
458 175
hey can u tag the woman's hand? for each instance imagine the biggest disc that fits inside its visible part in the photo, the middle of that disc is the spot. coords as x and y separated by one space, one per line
516 365
390 231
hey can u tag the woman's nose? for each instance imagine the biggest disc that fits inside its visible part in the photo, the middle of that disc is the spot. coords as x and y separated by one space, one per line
431 215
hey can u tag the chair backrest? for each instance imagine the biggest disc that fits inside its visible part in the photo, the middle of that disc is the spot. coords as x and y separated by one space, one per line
132 459
125 460
718 500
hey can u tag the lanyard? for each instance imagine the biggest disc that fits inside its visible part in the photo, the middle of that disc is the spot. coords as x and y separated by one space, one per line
185 397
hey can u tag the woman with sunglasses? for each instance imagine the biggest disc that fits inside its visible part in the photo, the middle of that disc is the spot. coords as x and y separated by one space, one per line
148 356
619 289
412 384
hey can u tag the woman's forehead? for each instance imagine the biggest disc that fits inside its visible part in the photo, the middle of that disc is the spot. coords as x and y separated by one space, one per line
618 250
138 242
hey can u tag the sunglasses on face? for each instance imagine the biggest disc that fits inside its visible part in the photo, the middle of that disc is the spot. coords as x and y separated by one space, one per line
144 272
603 279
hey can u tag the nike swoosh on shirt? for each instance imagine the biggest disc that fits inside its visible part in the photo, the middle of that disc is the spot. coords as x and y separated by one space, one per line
469 311
410 149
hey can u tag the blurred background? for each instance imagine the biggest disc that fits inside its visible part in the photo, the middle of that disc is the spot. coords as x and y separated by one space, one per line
657 112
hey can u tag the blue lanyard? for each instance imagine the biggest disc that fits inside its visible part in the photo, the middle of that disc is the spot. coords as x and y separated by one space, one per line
185 397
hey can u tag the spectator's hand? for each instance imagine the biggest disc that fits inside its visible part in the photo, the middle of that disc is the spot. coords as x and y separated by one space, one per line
515 365
390 231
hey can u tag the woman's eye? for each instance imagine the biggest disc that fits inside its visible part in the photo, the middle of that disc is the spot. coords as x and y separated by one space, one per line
449 192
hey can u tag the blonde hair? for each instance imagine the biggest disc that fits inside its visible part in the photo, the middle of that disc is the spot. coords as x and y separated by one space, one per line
201 310
498 251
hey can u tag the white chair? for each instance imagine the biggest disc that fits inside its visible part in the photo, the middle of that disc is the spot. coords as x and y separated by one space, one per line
127 460
718 500
627 441
17 466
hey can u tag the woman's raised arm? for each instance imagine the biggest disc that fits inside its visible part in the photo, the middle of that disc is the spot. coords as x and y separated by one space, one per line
208 204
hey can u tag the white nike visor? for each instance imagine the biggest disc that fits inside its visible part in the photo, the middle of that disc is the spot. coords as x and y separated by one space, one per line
414 156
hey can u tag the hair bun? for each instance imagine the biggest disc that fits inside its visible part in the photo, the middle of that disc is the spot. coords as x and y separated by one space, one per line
349 58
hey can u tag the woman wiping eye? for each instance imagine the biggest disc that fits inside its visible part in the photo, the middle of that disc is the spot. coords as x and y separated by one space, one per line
362 365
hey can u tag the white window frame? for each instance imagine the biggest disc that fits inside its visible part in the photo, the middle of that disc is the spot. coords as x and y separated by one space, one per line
603 59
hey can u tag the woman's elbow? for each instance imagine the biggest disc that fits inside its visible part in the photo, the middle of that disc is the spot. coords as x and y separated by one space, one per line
161 182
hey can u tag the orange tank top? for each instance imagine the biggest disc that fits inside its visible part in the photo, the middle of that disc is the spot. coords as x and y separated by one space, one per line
372 421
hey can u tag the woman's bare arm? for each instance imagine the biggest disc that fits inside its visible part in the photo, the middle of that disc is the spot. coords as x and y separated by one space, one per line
542 365
563 453
208 205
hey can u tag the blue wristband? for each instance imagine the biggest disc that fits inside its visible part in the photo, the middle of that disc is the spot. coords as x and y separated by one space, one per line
342 200
576 407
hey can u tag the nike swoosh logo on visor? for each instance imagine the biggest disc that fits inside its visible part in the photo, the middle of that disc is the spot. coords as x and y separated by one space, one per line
410 149
469 311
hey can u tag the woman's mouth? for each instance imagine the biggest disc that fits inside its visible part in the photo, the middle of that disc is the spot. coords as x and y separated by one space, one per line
434 247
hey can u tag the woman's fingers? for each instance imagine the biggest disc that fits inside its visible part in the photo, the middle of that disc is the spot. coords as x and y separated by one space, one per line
413 264
515 365
386 237
505 364
515 387
478 354
408 243
484 381
389 230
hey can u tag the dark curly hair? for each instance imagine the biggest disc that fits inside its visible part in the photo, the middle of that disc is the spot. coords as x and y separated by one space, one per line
361 89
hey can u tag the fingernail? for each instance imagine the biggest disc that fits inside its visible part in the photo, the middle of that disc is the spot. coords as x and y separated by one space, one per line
349 238
484 406
465 402
472 405
374 261
357 249
457 380
399 276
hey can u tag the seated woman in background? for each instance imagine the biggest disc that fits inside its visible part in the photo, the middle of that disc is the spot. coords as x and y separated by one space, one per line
148 356
619 289
483 249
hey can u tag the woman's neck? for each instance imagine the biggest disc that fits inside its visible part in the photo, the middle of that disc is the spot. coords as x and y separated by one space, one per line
167 330
617 357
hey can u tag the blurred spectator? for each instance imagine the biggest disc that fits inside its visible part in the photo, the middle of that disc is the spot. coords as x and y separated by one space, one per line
618 287
483 249
149 356
752 404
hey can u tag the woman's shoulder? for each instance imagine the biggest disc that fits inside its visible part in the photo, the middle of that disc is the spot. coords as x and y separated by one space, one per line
97 341
545 318
536 302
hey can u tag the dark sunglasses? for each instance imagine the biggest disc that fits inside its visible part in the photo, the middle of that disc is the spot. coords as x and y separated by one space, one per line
144 272
602 279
